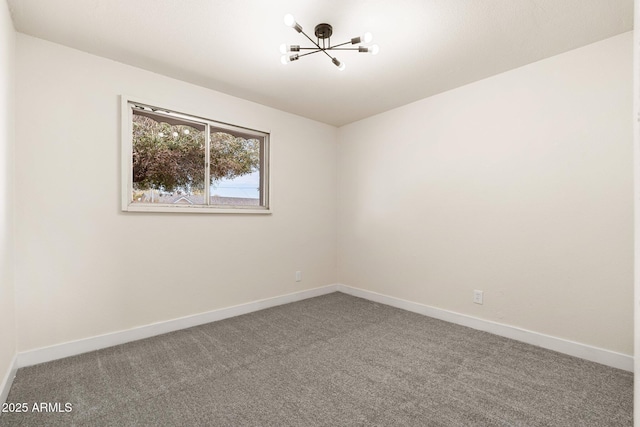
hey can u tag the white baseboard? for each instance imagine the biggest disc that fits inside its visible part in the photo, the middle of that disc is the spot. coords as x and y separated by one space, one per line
59 351
7 381
583 351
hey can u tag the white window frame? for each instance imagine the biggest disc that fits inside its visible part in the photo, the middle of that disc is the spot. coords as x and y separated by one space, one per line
127 163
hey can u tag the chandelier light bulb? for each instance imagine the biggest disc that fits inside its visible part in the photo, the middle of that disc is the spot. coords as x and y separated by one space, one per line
186 131
374 49
284 48
285 59
175 134
365 38
338 64
289 20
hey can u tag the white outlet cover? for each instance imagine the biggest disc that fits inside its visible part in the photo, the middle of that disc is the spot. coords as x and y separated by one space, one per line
477 296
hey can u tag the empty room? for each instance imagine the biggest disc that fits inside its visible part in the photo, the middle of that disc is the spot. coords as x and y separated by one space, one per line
318 213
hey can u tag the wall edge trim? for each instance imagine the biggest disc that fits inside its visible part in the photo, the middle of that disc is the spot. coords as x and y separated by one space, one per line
84 345
72 348
7 381
571 348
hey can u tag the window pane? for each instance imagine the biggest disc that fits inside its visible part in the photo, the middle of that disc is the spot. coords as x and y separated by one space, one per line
176 162
235 170
168 160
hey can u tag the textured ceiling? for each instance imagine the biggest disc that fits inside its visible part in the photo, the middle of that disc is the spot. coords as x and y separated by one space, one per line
426 46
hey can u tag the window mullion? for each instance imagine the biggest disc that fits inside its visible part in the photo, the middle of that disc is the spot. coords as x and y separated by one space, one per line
207 165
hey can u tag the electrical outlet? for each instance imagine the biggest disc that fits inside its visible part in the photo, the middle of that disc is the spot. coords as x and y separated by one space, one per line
477 296
298 276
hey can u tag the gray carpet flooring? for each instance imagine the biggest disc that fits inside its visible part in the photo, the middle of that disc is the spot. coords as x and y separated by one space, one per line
334 360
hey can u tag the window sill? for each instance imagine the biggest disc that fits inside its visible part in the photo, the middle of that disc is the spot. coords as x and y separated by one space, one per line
195 209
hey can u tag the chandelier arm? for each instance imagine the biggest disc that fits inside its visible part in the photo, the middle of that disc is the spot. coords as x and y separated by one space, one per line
309 53
341 44
329 48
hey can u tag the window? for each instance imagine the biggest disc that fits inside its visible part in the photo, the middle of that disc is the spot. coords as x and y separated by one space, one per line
174 162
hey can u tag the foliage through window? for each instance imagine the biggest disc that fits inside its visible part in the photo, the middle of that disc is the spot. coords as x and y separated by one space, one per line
178 161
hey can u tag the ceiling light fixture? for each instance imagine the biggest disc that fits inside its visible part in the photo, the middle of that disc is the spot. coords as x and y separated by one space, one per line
323 43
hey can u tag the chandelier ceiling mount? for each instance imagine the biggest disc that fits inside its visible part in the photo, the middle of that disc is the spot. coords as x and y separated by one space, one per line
323 31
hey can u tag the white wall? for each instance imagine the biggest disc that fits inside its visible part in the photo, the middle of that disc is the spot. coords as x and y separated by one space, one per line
84 268
7 316
520 185
636 163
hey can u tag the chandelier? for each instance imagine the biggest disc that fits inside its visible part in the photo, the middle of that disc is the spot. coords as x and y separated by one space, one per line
323 43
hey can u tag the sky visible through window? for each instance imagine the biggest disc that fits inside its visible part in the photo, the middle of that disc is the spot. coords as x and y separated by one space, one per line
246 186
